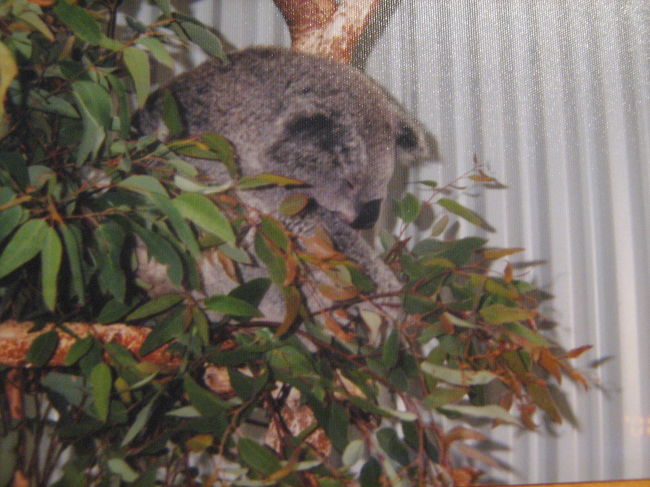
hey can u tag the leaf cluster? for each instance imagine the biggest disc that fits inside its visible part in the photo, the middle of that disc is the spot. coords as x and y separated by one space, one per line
81 191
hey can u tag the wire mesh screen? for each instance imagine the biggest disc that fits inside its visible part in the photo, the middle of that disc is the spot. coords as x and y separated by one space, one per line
553 98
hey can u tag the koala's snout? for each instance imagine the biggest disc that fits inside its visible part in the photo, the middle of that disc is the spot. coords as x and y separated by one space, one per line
367 216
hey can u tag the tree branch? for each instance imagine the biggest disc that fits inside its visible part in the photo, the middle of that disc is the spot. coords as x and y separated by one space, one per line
15 340
325 28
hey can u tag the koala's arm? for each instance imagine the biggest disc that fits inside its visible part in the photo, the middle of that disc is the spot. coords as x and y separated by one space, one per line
352 244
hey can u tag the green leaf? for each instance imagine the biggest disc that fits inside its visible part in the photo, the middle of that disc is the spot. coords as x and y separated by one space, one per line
229 305
251 182
185 412
541 396
10 219
137 63
252 291
8 449
95 106
353 452
42 348
441 396
465 213
112 311
246 387
257 457
337 426
80 22
408 208
272 230
45 101
35 21
486 412
23 246
171 114
223 149
100 381
50 265
458 377
178 223
370 475
123 469
393 446
154 306
289 360
161 334
528 334
293 204
390 350
157 50
71 242
162 251
16 166
200 35
124 110
498 314
139 423
71 387
143 184
206 402
204 213
78 349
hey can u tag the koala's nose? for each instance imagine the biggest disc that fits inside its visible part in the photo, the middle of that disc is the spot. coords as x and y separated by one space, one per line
368 215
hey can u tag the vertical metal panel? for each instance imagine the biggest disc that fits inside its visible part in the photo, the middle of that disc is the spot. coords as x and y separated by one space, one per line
554 97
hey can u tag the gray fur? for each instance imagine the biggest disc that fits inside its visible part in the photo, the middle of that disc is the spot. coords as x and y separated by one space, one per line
303 117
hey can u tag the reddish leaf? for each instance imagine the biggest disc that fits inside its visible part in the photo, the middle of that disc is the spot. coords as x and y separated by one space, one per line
576 352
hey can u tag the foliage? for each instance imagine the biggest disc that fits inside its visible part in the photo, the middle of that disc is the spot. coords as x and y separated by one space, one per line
78 187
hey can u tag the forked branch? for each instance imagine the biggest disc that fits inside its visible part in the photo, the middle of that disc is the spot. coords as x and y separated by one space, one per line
327 27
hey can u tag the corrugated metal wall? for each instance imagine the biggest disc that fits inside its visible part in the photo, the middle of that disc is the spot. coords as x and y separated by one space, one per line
554 97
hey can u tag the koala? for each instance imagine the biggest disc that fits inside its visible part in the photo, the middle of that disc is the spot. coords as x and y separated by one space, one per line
304 117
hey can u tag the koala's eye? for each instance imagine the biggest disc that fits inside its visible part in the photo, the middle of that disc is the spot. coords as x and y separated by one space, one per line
406 139
348 184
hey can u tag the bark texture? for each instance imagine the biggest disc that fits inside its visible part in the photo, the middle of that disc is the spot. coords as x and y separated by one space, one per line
326 27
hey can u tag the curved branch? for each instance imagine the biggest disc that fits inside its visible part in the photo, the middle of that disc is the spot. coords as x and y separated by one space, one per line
325 28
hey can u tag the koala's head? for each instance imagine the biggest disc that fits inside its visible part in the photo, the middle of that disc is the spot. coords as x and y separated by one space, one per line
303 117
342 135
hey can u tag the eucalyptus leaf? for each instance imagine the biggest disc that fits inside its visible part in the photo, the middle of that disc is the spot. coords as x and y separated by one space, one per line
155 306
201 35
157 50
203 212
498 314
139 423
51 256
257 457
144 184
486 412
465 213
72 245
42 348
100 381
124 470
137 63
25 244
458 377
80 22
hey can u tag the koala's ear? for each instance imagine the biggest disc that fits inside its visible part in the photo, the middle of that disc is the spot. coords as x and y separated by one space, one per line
413 142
